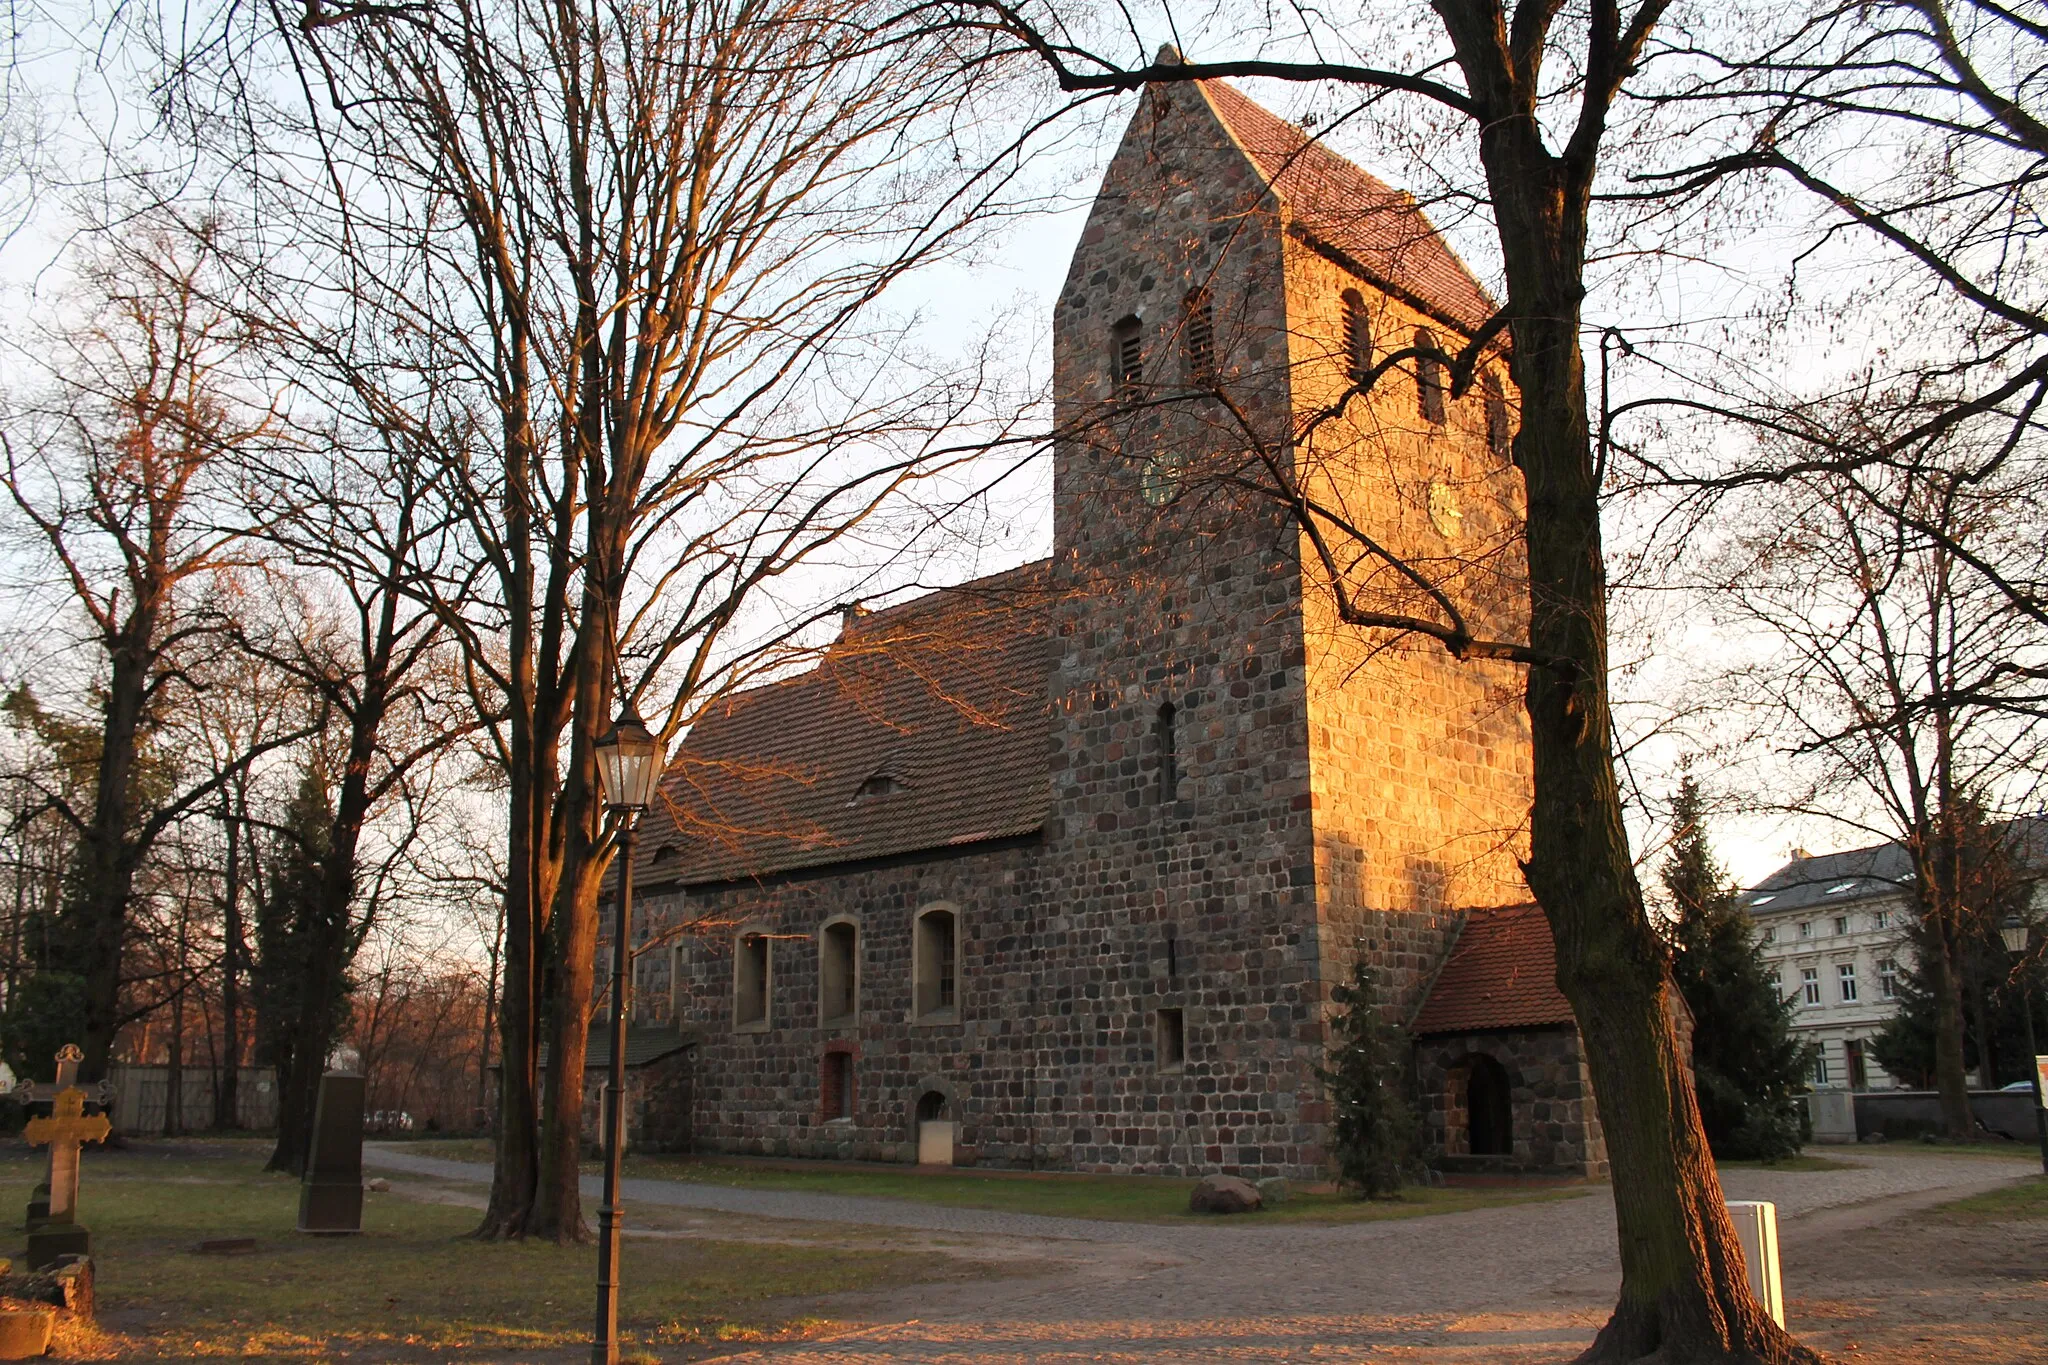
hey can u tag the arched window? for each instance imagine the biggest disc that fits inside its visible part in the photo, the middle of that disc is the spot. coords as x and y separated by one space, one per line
1489 1108
1126 360
751 981
935 966
1499 439
1164 734
1429 378
1198 339
838 974
1357 337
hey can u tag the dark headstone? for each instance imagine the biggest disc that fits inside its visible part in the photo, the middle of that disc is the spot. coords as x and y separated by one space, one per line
331 1197
53 1240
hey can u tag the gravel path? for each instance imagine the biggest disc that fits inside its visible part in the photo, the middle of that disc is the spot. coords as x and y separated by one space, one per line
1523 1282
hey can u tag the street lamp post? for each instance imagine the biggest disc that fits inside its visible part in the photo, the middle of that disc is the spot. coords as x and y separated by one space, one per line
2014 932
628 766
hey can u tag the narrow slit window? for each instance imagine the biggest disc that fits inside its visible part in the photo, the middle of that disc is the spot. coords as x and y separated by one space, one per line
1357 337
1127 361
1163 729
1429 377
1172 953
1198 338
1499 439
1171 1039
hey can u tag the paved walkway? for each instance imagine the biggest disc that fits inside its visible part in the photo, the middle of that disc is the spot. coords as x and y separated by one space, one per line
1281 1291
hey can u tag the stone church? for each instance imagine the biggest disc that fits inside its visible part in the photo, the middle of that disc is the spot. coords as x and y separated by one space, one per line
1057 868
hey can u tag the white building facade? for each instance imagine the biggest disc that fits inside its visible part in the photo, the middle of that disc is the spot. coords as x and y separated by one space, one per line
1832 932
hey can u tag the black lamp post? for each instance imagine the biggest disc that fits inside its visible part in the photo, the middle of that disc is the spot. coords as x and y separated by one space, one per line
2014 932
628 766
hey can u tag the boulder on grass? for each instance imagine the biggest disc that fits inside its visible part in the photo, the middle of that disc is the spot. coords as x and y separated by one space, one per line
1224 1194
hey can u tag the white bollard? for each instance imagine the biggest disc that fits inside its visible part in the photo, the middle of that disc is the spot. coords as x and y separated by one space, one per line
1756 1224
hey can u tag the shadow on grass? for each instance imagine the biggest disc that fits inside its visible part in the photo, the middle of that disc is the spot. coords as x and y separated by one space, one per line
1143 1199
412 1283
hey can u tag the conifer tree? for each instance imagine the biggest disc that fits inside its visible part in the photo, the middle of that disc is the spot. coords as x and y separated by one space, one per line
1748 1069
300 977
1373 1126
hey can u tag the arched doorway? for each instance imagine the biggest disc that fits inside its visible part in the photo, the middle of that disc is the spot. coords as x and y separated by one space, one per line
934 1130
1489 1108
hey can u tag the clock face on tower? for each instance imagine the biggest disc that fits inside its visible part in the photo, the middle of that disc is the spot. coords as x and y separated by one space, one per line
1159 482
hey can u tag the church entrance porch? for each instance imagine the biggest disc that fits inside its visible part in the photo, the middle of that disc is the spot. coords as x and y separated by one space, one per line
1509 1102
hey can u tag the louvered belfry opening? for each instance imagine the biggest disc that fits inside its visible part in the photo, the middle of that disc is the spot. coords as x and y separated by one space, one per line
1127 360
1357 337
1198 338
1429 378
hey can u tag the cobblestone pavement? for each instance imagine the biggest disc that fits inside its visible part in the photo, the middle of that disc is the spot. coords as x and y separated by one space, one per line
1526 1282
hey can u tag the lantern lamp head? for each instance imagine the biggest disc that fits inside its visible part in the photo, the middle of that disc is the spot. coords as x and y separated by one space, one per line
628 763
2014 932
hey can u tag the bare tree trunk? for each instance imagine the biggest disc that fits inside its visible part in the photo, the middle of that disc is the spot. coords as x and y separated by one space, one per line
96 923
1684 1292
227 1090
1951 1075
174 1071
483 1054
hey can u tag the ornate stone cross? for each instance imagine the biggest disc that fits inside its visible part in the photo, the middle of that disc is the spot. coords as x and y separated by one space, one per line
66 1127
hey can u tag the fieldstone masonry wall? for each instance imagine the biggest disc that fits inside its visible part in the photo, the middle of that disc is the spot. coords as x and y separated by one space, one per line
1556 1130
1316 793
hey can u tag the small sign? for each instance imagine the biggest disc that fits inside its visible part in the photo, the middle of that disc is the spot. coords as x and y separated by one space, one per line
2040 1079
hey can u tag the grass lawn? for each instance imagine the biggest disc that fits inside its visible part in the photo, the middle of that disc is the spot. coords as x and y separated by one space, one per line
2022 1199
1143 1199
1805 1161
411 1283
1992 1147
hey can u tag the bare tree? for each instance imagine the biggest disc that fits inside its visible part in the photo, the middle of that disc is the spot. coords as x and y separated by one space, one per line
1535 99
620 270
1901 685
117 470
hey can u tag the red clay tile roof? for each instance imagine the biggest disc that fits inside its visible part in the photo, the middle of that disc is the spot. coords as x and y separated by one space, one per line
1378 227
1501 974
925 726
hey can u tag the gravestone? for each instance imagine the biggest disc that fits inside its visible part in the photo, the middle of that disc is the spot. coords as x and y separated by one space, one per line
331 1196
59 1233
